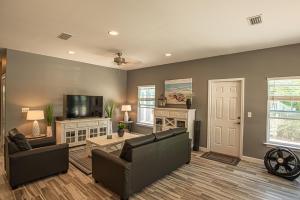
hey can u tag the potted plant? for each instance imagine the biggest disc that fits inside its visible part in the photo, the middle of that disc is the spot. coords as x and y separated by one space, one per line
49 119
109 110
121 127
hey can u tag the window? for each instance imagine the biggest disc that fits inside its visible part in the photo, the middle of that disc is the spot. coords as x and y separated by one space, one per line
146 104
284 111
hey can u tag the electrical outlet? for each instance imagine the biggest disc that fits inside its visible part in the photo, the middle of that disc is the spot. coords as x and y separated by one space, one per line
24 110
249 114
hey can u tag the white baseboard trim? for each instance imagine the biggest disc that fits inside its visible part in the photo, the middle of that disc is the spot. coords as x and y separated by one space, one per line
253 160
204 149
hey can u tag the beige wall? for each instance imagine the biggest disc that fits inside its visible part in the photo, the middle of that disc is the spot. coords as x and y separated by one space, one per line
34 80
254 66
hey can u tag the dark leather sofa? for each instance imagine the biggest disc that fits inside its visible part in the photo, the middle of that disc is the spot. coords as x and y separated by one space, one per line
44 159
142 161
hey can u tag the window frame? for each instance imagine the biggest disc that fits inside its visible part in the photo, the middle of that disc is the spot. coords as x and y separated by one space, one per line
138 105
268 141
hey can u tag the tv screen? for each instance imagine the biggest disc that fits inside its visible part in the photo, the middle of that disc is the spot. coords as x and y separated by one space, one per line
80 106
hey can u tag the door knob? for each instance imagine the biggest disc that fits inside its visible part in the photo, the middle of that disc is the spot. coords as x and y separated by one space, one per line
238 123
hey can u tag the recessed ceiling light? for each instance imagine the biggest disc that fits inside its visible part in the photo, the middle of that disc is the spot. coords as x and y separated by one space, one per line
168 54
113 33
71 52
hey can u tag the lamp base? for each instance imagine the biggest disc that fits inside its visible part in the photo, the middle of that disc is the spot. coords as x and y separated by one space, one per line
35 128
126 116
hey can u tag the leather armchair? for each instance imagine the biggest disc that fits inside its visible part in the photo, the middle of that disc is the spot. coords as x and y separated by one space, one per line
44 159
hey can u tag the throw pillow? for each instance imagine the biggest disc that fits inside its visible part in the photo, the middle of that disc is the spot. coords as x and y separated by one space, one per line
20 140
12 133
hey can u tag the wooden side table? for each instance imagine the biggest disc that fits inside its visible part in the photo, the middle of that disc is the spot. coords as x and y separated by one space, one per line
129 125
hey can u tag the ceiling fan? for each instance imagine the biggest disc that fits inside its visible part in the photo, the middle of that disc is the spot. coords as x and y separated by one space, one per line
119 60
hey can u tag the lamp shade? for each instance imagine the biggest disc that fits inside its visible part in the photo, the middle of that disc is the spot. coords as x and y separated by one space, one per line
35 115
126 108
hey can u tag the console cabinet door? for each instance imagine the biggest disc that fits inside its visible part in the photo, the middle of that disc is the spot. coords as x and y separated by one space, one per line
81 135
70 136
102 131
158 126
93 132
181 123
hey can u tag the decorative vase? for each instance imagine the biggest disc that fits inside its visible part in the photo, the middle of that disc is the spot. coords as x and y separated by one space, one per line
121 132
162 101
49 131
188 103
110 126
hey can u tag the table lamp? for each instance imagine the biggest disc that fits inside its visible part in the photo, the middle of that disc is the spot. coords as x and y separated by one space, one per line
35 115
126 108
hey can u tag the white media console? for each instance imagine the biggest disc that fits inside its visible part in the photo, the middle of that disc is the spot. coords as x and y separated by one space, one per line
75 132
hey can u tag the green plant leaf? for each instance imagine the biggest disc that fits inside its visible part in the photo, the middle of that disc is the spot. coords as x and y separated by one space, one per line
49 114
109 108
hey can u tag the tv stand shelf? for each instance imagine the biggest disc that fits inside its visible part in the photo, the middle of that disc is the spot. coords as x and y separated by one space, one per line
76 131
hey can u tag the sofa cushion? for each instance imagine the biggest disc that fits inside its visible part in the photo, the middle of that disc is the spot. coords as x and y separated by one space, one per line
42 142
163 135
133 143
169 133
177 131
19 139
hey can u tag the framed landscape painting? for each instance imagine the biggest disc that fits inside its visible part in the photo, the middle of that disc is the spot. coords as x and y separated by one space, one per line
177 91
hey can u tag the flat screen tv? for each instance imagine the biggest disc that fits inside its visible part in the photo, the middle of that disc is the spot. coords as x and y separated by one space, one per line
81 106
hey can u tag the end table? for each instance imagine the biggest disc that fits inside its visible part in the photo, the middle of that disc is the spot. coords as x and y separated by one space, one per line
128 124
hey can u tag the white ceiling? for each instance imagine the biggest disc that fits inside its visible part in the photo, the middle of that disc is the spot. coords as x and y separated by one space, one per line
189 29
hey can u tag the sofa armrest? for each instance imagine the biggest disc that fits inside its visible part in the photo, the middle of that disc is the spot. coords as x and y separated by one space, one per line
112 172
38 151
33 164
42 142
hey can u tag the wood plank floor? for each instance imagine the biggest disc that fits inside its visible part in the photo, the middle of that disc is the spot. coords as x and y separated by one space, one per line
201 179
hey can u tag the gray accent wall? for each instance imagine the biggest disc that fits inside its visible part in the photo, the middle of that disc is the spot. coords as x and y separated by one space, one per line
254 66
35 80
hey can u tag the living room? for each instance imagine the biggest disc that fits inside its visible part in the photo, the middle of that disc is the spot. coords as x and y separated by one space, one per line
150 100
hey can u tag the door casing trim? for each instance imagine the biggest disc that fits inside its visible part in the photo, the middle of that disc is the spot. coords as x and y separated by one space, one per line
210 83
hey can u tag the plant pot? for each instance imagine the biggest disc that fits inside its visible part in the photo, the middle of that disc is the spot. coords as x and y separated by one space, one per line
121 132
188 103
49 131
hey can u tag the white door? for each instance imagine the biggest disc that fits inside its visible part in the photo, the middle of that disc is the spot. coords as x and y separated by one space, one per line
225 117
